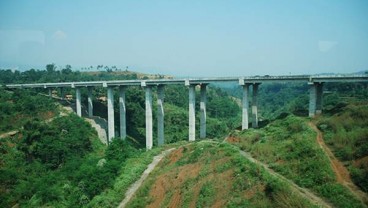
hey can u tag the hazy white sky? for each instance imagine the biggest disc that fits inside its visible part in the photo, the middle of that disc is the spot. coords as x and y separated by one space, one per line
188 38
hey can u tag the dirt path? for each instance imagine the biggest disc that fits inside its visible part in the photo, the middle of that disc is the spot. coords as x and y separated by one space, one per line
135 186
342 174
7 134
302 191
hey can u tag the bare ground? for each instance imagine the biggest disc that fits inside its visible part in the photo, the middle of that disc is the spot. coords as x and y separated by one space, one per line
135 186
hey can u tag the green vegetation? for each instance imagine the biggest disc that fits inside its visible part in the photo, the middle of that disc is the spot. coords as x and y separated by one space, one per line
56 160
346 133
60 163
289 146
206 174
223 113
17 108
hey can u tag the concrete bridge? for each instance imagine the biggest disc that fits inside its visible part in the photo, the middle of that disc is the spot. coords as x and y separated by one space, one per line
315 98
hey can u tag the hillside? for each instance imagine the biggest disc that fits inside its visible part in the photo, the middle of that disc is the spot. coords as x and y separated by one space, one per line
51 158
289 146
211 174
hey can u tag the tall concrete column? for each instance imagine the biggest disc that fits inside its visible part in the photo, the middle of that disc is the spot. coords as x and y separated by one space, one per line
122 112
62 93
203 102
148 118
50 92
160 115
110 113
312 99
191 112
255 106
78 101
90 103
319 96
245 107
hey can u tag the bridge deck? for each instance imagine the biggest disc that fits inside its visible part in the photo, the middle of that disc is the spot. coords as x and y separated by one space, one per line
240 80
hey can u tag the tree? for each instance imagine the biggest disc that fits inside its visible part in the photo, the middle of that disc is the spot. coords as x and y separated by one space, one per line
67 69
50 68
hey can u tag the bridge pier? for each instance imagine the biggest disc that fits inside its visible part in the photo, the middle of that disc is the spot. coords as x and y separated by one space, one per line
191 112
203 111
122 111
50 92
110 113
90 103
148 117
160 115
78 101
255 106
315 98
245 107
62 93
319 97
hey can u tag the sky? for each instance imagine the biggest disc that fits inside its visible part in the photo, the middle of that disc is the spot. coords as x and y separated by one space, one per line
188 38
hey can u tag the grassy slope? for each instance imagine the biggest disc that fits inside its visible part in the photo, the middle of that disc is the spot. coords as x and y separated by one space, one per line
205 174
129 172
346 133
289 146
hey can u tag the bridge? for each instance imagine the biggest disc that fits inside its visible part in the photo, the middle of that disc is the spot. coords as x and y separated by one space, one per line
315 98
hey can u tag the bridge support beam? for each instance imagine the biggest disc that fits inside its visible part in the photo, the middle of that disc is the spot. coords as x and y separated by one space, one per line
160 115
191 112
315 98
78 102
122 110
110 113
245 107
312 99
90 103
62 93
255 106
319 97
203 117
148 117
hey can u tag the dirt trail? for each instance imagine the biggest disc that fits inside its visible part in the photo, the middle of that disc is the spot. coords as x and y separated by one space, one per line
342 174
135 186
7 134
302 191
